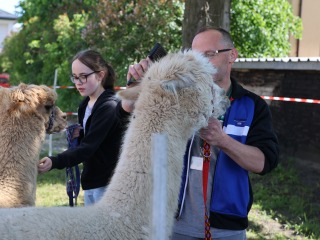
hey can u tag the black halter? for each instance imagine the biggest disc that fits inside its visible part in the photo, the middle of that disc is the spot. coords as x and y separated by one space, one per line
51 118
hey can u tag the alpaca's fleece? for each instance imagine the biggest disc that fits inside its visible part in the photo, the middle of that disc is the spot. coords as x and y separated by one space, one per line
177 97
24 120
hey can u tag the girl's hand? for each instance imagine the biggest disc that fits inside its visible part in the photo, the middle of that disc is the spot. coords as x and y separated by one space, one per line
44 165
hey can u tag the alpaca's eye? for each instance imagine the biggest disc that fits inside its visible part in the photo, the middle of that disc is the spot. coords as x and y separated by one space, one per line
48 107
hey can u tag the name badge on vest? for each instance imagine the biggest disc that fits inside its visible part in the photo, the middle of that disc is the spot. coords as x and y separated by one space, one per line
196 163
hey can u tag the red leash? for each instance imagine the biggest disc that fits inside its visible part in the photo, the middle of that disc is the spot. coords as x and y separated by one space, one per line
205 174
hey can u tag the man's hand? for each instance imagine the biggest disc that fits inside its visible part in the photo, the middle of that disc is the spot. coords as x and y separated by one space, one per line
137 71
213 133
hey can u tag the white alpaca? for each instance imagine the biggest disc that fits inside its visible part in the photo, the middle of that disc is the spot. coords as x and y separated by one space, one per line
27 113
177 97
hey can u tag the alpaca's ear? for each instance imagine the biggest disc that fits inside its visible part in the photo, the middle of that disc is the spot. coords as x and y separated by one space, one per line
17 95
17 104
19 101
177 82
5 96
130 93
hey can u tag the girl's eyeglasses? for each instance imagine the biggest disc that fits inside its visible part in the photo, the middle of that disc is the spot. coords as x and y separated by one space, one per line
82 78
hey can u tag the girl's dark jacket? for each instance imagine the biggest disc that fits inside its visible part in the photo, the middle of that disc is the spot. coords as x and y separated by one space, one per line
100 145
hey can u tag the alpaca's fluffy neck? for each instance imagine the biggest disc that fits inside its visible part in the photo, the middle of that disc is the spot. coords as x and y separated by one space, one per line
130 190
19 182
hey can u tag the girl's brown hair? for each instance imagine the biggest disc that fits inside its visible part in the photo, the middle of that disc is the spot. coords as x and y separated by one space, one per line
93 60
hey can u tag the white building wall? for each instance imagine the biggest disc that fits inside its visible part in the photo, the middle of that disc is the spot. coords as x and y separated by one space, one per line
6 27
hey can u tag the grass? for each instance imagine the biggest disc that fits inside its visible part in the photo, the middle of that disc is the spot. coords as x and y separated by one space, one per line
281 198
51 190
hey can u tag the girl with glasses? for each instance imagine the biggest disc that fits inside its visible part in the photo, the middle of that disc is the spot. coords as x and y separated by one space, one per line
102 122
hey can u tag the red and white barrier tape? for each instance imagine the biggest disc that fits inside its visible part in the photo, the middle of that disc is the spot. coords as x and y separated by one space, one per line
71 113
70 87
287 99
64 87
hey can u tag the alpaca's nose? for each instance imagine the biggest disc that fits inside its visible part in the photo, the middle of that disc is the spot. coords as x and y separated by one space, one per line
64 116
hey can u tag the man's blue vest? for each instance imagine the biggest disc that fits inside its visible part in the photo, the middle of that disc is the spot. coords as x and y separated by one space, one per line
231 187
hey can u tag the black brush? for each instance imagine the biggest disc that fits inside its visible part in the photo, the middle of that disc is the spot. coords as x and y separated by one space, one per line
156 53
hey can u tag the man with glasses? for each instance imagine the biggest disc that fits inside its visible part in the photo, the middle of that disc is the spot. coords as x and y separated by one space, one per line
244 143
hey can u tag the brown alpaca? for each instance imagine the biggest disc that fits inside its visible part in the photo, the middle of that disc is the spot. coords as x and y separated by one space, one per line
27 113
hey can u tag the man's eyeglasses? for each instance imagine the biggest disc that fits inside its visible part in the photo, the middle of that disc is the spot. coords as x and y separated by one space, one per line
212 53
82 78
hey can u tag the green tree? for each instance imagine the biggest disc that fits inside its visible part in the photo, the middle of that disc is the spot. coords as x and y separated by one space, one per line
262 28
51 34
259 28
201 13
125 31
54 30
